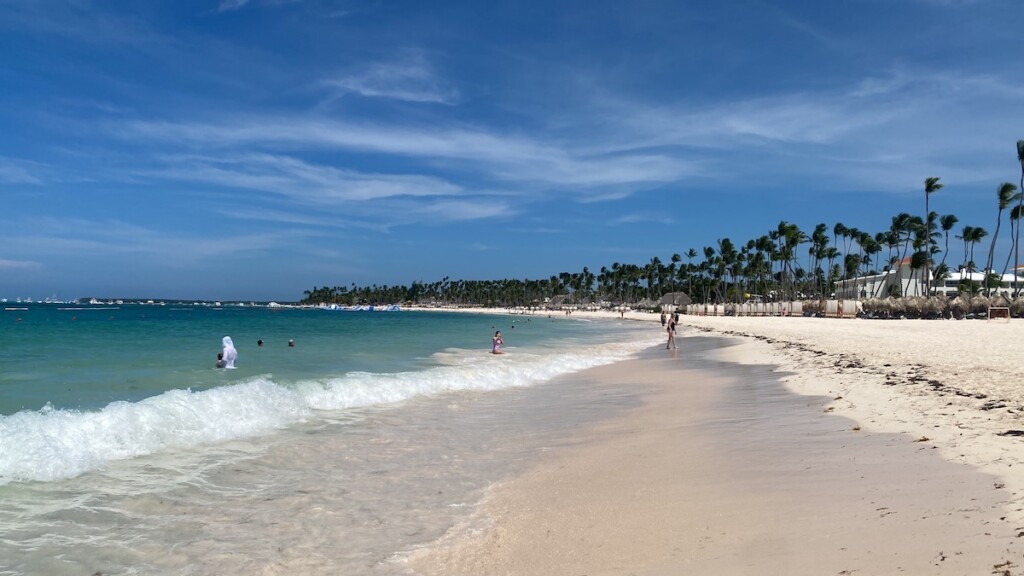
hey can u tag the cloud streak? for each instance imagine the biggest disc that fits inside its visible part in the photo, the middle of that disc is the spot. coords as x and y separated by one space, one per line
19 265
231 5
411 79
299 180
508 158
18 172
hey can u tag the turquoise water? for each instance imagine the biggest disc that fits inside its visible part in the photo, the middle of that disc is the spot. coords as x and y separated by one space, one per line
86 357
124 451
81 386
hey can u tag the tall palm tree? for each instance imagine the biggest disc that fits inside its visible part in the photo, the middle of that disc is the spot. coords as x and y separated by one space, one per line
690 255
727 257
789 238
931 186
1005 194
676 259
710 263
977 233
1020 210
819 241
965 235
918 260
838 230
1015 215
947 222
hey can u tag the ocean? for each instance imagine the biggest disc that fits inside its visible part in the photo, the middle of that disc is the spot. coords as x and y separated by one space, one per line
123 450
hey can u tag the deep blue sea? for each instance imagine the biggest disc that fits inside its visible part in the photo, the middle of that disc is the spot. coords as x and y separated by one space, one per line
123 450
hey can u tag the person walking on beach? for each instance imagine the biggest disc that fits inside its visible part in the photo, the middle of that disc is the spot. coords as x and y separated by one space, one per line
496 343
671 329
663 318
230 354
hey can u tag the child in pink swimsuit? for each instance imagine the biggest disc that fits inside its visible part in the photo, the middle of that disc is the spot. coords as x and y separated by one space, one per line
496 343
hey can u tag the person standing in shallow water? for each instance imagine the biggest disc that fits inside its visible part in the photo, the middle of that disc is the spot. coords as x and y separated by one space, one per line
496 343
671 329
230 354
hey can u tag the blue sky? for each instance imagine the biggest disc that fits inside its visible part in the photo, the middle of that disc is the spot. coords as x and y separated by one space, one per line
253 149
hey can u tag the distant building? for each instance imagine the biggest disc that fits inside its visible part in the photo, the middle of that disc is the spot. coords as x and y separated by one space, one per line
950 286
902 280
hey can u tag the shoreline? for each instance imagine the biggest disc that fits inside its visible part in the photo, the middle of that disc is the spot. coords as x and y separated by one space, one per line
724 470
949 382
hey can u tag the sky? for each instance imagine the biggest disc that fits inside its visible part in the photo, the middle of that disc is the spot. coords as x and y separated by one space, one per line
255 149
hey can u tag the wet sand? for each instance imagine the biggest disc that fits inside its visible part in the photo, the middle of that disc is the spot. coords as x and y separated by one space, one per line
724 471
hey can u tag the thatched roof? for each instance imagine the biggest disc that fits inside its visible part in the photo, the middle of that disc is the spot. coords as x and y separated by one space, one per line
675 299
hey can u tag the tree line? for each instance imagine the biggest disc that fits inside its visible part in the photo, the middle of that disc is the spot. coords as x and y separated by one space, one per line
783 263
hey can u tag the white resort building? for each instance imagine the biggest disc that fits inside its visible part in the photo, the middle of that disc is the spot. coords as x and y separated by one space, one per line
902 280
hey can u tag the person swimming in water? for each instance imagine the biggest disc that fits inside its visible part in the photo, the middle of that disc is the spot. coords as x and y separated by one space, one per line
496 343
220 360
230 354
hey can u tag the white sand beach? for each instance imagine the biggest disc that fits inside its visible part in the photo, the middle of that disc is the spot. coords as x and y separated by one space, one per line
893 458
956 383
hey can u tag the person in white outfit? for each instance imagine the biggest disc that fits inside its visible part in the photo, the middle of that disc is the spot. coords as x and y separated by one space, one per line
230 354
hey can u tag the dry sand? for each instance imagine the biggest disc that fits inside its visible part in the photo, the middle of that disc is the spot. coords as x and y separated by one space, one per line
725 472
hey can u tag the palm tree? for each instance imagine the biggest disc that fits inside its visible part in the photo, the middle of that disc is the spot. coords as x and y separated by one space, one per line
1005 194
1020 209
838 230
727 258
918 260
947 222
965 235
1015 214
941 274
676 259
931 185
789 237
690 255
976 234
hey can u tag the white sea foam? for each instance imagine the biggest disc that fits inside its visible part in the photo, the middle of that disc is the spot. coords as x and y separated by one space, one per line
51 444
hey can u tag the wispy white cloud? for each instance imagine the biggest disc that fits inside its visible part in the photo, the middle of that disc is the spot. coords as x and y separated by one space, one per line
454 210
854 136
61 236
293 218
18 172
639 218
500 156
19 265
81 22
229 5
338 198
410 79
299 180
606 148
